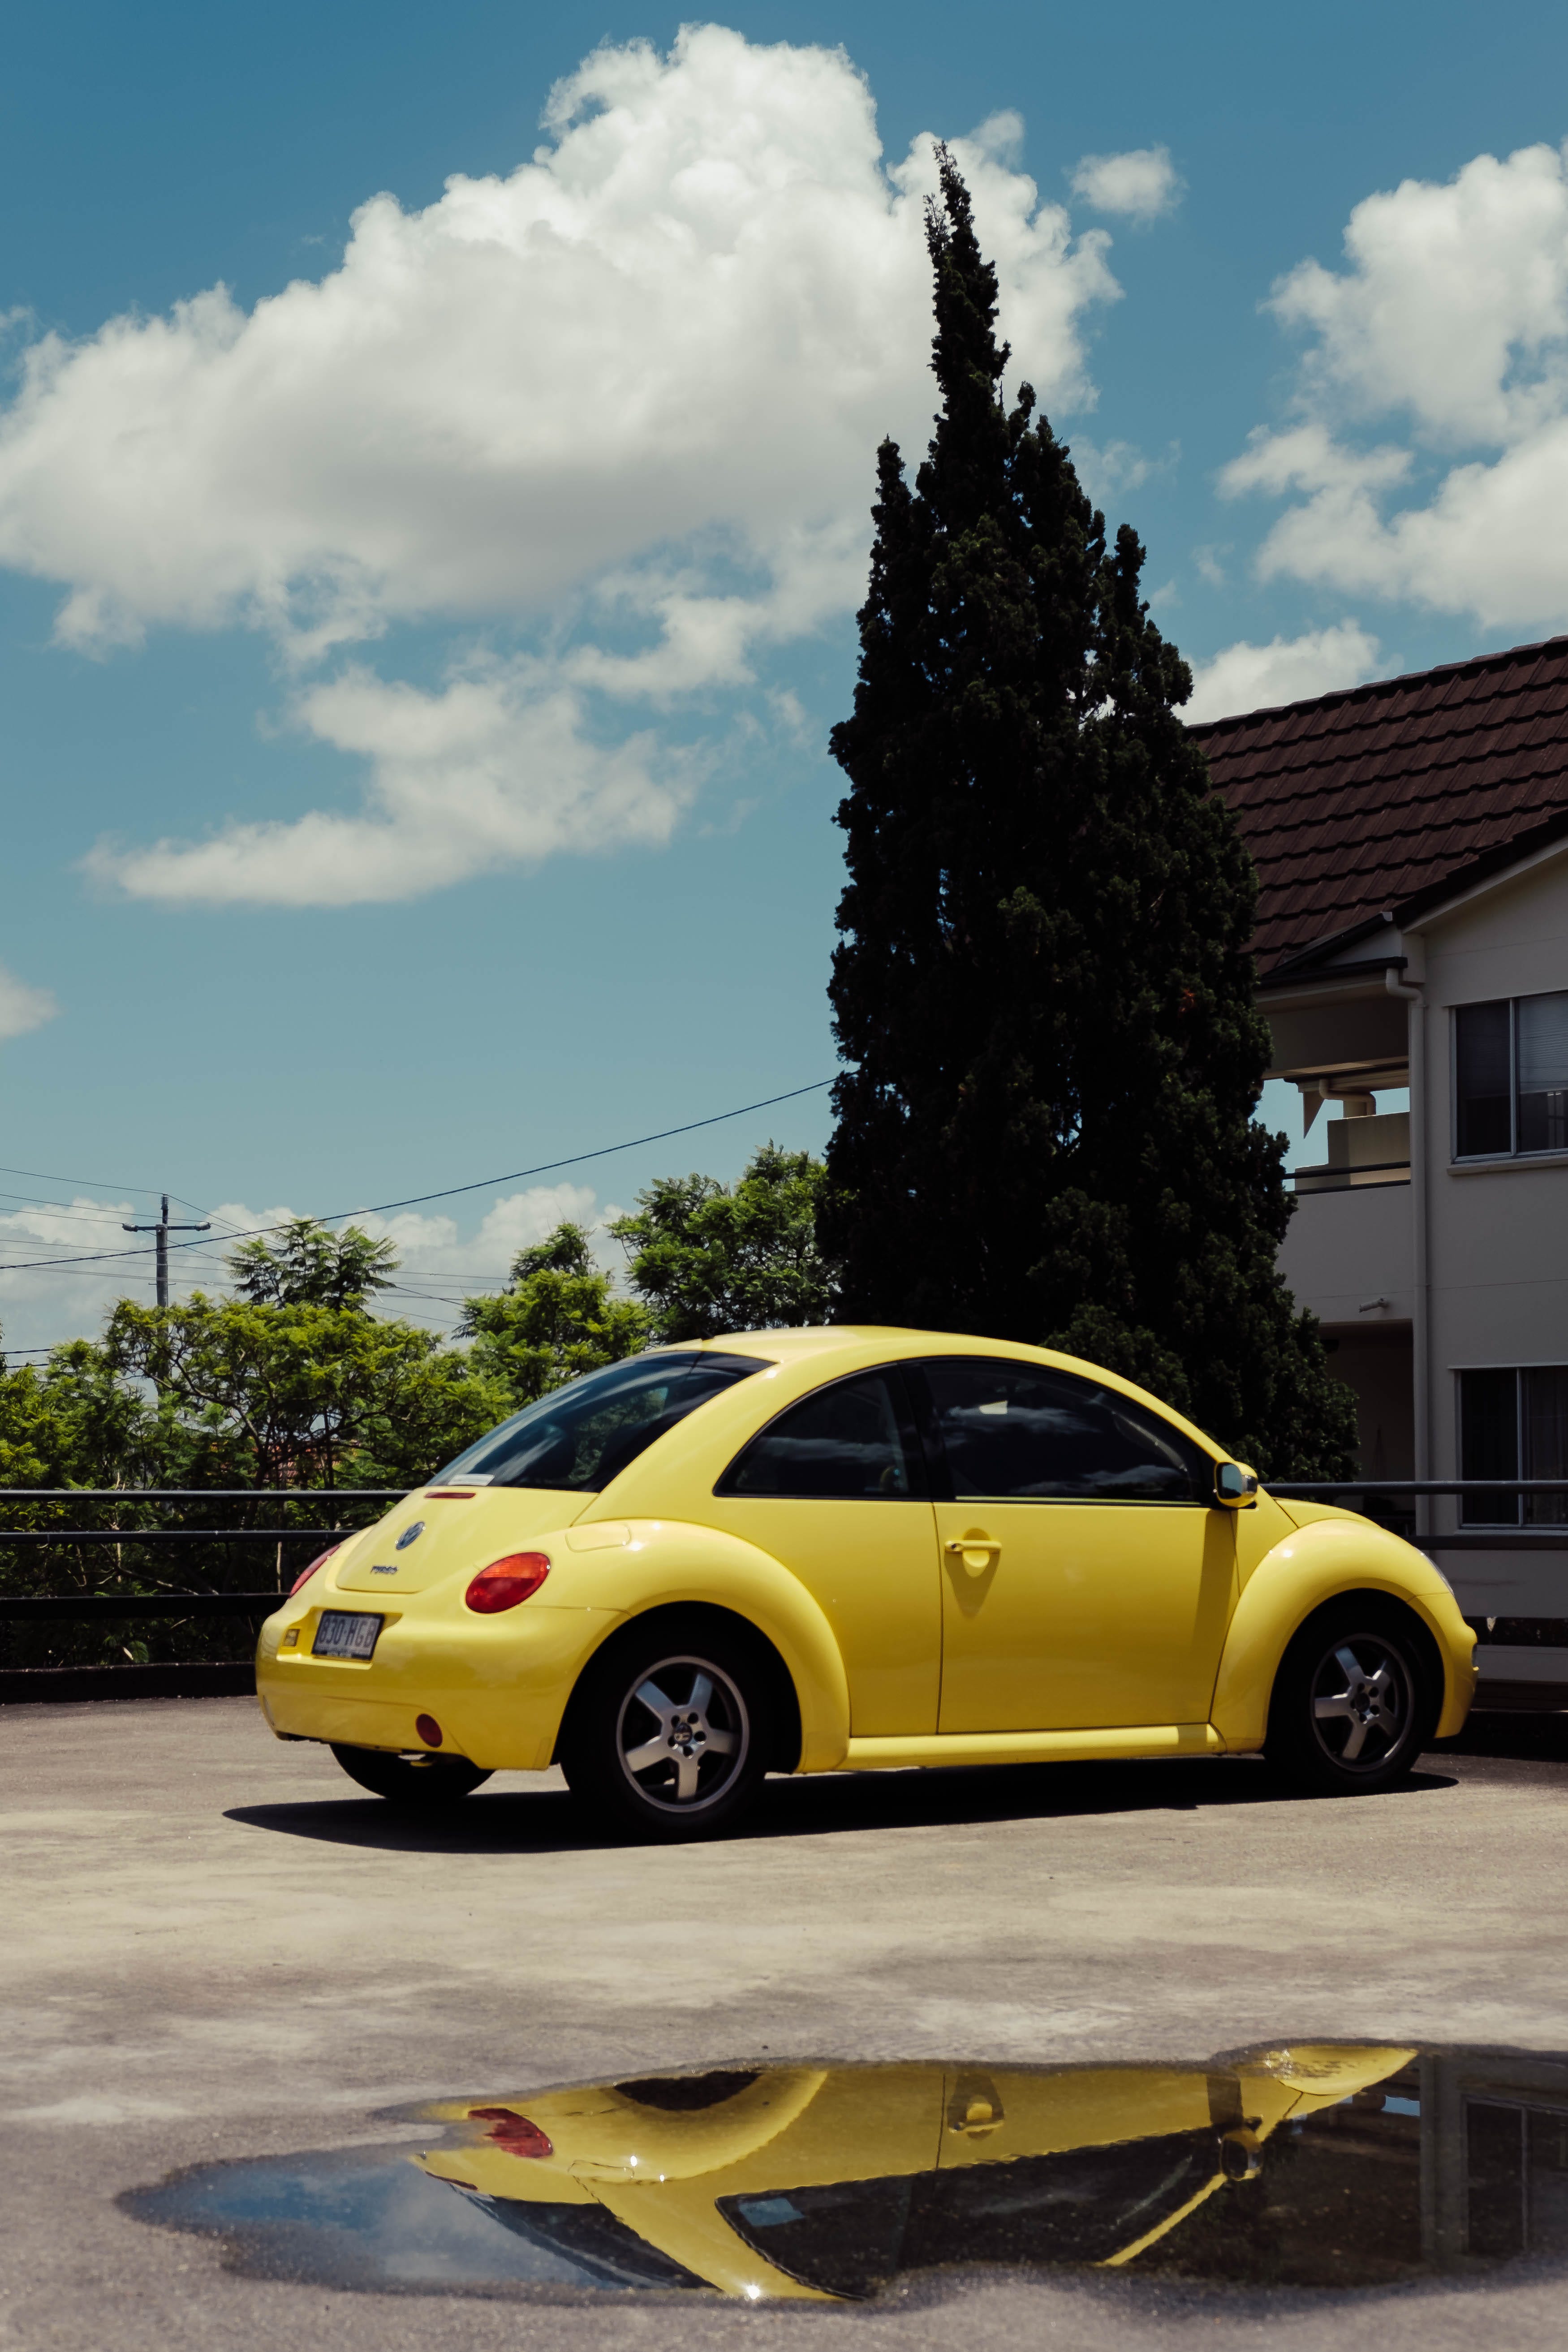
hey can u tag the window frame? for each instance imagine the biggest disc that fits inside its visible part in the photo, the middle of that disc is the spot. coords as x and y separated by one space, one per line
1517 1520
939 1475
911 1436
1459 1158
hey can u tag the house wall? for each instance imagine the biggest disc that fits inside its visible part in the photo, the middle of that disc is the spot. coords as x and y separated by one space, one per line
1498 1234
1343 1249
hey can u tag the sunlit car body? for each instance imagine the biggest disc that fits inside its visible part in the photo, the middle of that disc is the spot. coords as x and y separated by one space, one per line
857 1547
827 2183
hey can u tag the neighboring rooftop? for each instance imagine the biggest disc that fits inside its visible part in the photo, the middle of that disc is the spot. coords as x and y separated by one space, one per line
1384 798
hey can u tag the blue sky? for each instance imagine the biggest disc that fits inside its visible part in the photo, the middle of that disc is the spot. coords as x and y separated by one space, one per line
416 691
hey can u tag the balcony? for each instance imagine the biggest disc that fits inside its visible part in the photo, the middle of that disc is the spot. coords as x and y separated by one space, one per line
1347 1250
1362 1152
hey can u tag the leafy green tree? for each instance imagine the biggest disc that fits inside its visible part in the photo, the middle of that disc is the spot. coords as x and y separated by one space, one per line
295 1378
311 1266
557 1317
710 1257
1045 1128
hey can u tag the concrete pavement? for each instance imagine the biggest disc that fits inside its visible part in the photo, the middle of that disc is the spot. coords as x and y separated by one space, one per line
214 1948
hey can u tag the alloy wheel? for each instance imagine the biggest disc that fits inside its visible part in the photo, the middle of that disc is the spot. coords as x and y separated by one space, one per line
683 1734
1363 1702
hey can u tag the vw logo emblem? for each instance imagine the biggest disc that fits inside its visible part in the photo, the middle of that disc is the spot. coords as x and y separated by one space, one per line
406 1538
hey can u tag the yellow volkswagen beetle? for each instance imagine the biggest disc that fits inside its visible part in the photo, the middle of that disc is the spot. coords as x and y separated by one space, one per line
825 2183
851 1549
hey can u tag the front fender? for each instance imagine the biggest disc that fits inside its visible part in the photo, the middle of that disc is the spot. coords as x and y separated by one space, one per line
1305 1568
642 1564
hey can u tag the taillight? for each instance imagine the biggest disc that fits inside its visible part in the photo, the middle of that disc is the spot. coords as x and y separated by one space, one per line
306 1573
507 1582
512 2132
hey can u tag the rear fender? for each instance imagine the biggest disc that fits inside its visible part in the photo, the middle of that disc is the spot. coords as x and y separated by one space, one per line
645 1564
1311 1565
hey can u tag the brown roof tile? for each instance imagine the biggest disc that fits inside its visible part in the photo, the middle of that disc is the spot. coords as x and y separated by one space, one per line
1378 798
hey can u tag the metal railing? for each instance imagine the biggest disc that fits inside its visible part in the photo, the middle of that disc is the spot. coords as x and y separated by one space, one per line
1326 1178
180 1601
1549 1535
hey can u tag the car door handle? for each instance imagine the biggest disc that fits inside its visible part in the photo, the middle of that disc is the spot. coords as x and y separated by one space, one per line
975 1551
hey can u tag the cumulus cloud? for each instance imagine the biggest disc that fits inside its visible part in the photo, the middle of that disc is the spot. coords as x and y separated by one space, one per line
22 1007
442 1262
496 767
631 392
1140 185
1287 669
1446 330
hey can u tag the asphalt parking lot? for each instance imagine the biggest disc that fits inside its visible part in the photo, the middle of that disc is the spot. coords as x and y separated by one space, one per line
216 1948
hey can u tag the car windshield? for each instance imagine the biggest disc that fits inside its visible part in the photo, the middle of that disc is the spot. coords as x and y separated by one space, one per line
580 1436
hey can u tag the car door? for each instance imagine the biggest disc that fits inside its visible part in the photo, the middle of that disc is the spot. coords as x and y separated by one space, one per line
1088 1578
836 1489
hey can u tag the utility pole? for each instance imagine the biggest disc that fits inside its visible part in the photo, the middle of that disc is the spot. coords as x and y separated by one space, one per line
163 1229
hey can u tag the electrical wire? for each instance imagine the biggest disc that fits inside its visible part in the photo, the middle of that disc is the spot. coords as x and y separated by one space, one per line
99 1183
415 1199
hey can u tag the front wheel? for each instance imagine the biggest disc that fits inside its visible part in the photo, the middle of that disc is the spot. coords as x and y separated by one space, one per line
1352 1710
670 1731
422 1780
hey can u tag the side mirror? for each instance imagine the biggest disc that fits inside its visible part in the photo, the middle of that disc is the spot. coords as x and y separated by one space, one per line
1235 1488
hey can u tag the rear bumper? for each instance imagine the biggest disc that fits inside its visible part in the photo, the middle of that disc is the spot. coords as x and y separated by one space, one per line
498 1687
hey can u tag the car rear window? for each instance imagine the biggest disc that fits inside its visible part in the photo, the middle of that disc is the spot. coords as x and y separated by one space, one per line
580 1436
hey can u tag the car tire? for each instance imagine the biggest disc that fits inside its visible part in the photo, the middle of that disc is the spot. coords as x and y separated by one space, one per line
669 1731
1353 1703
414 1780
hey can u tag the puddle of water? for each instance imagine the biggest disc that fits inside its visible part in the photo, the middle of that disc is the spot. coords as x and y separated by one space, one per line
1320 2166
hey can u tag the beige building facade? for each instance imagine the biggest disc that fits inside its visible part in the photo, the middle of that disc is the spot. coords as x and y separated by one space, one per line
1432 1243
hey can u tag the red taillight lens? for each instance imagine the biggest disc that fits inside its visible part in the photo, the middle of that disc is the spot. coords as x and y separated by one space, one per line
507 1582
306 1574
512 2132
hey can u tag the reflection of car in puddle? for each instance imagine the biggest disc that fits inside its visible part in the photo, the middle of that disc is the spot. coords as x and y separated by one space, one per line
1308 2166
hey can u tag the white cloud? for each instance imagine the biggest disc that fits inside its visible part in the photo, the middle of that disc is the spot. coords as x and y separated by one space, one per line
630 393
22 1006
1447 326
498 767
441 1261
1140 185
1287 670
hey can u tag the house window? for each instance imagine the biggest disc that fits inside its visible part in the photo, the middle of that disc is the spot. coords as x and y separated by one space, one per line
1511 1077
1514 1424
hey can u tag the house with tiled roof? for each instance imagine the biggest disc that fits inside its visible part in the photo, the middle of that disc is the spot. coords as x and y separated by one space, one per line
1411 838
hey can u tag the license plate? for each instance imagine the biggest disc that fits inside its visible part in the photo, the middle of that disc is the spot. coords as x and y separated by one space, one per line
344 1633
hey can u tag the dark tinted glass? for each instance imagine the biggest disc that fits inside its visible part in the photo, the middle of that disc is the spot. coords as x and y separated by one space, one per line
847 1443
1494 2182
609 2252
1489 1443
1544 1397
1542 1028
1081 2205
580 1436
1483 1078
1008 1429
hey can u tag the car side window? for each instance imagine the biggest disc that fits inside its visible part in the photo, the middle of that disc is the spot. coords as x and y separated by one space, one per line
1011 1430
852 1442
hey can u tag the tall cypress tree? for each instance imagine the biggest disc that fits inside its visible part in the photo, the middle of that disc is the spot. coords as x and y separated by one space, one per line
1043 996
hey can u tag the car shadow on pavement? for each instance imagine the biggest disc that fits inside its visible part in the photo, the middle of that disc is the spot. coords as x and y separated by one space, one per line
549 1821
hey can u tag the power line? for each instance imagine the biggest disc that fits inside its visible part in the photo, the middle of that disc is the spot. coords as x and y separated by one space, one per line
104 1211
417 1200
99 1183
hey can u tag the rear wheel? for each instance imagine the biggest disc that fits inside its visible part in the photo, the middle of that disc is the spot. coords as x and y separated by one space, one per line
1352 1708
410 1779
670 1730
